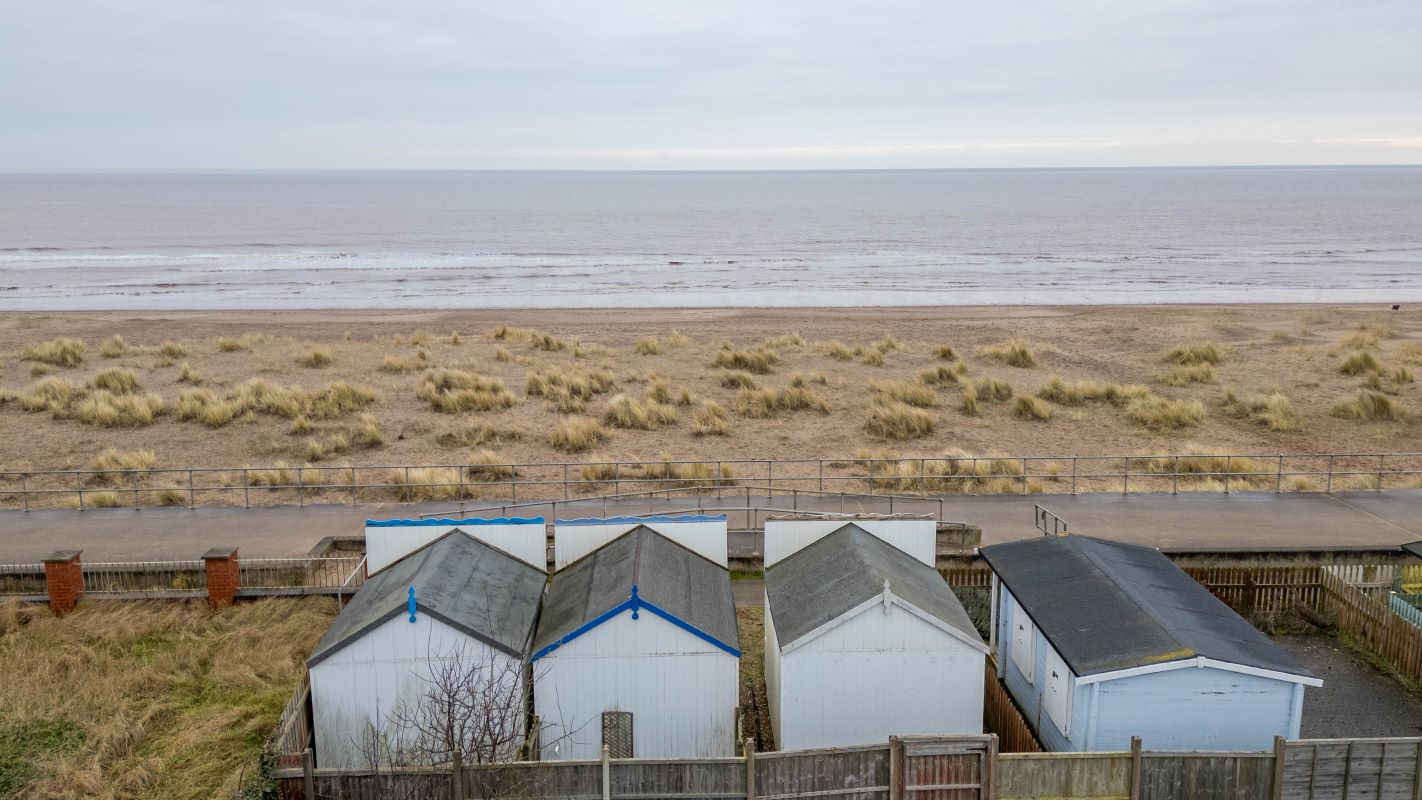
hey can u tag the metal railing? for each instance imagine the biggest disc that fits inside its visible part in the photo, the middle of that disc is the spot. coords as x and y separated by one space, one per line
1048 523
145 578
918 475
335 573
21 580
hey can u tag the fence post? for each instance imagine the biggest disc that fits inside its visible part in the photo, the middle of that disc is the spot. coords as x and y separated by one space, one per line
192 496
750 768
822 474
896 768
989 788
1229 467
1279 475
1381 458
606 773
1278 793
1329 488
223 576
79 486
1175 477
63 580
308 780
1073 476
1135 768
1126 476
25 488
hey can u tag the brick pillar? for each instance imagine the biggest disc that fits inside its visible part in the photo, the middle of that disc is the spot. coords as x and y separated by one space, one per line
223 576
64 578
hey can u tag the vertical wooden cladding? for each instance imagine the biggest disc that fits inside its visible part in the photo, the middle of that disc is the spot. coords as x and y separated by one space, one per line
1233 776
1259 588
1090 776
1356 614
937 769
1001 716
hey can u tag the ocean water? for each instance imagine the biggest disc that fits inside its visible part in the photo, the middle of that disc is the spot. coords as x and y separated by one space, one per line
273 240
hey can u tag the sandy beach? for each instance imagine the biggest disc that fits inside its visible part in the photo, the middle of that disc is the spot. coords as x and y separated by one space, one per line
847 362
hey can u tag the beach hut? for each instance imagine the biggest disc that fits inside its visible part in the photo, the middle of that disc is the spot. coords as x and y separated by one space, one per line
699 533
637 649
454 599
1100 641
914 535
864 641
389 540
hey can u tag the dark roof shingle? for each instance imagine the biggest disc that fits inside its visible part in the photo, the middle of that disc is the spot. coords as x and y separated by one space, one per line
845 568
671 577
463 582
1108 606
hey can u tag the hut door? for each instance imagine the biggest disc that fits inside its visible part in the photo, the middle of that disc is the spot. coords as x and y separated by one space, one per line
617 733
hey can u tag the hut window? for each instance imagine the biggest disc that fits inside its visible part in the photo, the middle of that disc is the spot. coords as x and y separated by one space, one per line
1023 641
617 733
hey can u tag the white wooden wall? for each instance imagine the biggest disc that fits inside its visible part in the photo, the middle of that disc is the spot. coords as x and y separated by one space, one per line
573 539
873 676
370 678
917 537
771 666
525 540
682 691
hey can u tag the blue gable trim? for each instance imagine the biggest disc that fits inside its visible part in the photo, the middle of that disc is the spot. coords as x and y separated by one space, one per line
410 523
635 603
636 520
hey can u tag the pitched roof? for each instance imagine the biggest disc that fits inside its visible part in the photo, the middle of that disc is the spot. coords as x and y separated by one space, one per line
666 577
463 582
1107 606
822 581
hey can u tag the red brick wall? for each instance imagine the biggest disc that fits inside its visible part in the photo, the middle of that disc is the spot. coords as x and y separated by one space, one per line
224 577
64 579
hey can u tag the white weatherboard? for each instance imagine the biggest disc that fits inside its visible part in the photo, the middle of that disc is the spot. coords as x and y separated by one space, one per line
573 539
785 537
386 543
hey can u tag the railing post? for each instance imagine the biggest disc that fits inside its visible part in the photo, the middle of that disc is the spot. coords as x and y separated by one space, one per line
770 477
25 489
822 474
1229 467
565 480
301 487
79 484
1175 477
1073 476
1024 476
192 495
1279 475
1381 458
354 480
1329 488
1126 475
246 489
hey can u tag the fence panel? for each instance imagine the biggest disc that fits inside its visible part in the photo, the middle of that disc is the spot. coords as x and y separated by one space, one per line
857 773
1372 622
930 768
146 578
708 779
1002 716
1351 769
1207 776
1091 776
1261 588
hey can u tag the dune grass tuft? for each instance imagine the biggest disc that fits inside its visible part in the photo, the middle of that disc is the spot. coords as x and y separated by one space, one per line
118 381
1369 405
941 375
838 350
737 379
61 352
104 409
678 339
873 358
480 433
759 361
767 403
1013 353
316 358
954 471
710 420
992 389
172 350
1076 393
898 421
648 346
487 465
232 344
1360 363
888 344
577 434
186 374
52 394
969 404
113 347
945 352
398 364
1163 414
644 415
202 405
1028 407
1273 410
452 391
914 394
1182 374
1207 353
110 465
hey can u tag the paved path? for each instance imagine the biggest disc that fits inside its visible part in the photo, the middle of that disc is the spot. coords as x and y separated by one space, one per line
1242 520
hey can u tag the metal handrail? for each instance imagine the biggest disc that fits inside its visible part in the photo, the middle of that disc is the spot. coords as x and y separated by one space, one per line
921 475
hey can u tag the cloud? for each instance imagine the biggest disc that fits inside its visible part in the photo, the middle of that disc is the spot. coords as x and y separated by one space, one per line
733 84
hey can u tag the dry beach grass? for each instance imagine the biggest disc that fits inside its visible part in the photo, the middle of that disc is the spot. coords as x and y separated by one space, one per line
259 388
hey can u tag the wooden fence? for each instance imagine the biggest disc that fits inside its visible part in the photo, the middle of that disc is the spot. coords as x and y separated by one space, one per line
1373 624
924 768
1002 717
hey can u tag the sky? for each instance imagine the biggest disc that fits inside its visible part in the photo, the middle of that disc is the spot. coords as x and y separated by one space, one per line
713 84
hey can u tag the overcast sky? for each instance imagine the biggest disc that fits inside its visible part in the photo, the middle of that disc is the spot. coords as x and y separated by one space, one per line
712 84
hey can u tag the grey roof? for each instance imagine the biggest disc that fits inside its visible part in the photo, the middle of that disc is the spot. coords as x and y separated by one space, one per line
469 585
674 579
842 570
1412 548
1107 606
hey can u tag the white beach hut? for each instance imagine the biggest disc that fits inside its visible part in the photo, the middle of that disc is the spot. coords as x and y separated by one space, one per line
454 598
699 533
389 540
864 642
637 649
915 535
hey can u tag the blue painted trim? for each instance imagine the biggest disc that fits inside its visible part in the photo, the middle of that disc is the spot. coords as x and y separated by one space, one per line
635 603
411 605
415 523
635 520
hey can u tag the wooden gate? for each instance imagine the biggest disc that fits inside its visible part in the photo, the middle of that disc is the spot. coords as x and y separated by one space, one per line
941 767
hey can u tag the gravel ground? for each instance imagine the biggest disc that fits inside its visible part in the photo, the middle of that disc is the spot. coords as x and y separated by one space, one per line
1355 699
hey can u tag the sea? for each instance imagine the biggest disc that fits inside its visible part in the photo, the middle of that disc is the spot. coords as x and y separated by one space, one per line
468 240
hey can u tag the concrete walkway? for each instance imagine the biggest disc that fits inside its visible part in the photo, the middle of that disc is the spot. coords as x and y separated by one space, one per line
1188 521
